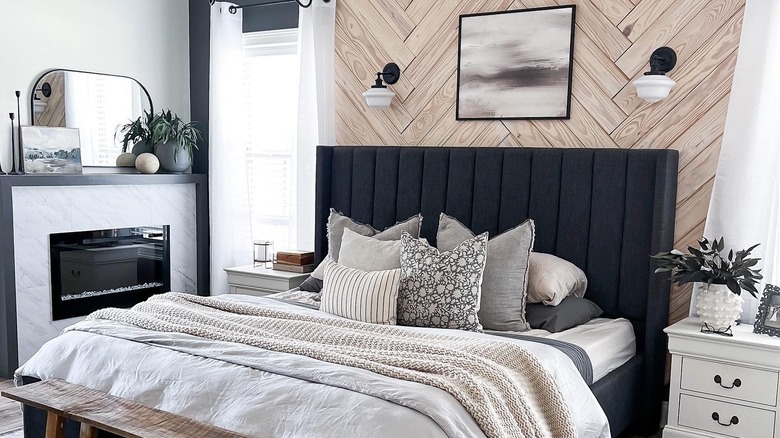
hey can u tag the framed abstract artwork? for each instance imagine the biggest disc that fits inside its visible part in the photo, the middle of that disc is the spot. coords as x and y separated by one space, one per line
51 150
516 64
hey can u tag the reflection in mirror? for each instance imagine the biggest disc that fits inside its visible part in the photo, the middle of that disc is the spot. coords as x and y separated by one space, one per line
96 104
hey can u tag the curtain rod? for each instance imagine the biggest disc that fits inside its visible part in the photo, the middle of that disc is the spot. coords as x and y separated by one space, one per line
234 9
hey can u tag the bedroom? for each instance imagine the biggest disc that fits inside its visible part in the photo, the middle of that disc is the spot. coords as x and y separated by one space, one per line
440 120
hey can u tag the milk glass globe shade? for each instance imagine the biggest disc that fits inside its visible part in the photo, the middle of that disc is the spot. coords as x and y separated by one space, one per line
378 98
653 88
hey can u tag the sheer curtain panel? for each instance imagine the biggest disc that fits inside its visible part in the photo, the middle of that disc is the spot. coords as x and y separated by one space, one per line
231 236
746 194
316 108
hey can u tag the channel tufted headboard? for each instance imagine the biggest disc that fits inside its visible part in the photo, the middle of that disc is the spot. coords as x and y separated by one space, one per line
605 210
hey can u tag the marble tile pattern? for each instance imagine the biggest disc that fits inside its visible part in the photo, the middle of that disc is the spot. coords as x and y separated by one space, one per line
40 211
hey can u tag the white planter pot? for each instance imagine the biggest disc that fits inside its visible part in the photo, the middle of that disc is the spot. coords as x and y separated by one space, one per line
717 306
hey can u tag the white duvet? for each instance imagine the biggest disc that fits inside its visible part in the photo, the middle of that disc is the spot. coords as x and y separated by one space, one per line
261 393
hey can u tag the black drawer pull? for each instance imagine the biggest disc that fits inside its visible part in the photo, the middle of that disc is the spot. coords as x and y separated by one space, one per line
734 419
737 383
75 273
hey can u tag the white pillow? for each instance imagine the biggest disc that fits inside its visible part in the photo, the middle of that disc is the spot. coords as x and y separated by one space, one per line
551 279
359 295
369 254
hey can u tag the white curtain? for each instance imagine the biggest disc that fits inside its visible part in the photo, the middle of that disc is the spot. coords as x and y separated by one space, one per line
316 107
746 194
230 226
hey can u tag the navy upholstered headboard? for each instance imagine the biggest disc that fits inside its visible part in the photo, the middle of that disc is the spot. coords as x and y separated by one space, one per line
605 210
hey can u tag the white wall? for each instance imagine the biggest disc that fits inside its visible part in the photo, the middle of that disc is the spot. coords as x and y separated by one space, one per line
145 39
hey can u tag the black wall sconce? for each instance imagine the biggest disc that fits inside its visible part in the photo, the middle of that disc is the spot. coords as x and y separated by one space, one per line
378 96
38 105
655 85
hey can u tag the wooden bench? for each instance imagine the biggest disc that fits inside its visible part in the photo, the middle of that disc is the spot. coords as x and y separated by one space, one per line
96 410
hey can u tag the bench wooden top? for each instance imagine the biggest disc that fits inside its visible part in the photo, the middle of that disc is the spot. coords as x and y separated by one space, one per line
113 414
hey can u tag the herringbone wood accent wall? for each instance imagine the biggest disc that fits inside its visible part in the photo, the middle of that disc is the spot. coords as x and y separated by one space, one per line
613 42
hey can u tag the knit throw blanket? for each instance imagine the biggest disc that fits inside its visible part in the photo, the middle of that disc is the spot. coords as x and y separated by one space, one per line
503 386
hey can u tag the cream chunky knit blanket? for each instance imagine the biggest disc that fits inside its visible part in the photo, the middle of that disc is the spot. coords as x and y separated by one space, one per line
500 384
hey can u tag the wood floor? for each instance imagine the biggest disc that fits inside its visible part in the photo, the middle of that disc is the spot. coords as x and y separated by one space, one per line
10 415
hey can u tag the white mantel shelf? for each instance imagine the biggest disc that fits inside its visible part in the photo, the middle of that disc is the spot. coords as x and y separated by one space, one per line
8 300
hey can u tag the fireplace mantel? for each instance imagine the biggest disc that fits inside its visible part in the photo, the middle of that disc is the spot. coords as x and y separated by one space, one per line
8 304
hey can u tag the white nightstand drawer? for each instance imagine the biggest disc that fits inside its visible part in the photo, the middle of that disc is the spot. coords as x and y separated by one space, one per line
730 381
725 418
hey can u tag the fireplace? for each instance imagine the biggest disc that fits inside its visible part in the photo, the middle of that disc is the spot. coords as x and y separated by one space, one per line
117 267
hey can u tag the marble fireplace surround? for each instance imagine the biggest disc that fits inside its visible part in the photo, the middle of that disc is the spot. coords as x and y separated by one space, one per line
34 206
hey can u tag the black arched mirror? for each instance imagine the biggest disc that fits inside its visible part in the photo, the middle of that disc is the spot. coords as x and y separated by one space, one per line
95 103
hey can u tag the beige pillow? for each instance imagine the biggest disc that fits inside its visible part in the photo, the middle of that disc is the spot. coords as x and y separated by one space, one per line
369 254
551 279
338 222
359 295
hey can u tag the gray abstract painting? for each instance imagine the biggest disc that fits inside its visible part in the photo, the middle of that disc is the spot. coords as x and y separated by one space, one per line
516 64
51 150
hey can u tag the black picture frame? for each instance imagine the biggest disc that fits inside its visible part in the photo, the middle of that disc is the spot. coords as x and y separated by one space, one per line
499 79
768 309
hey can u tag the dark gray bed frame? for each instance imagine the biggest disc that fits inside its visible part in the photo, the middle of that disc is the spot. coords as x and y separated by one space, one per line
605 210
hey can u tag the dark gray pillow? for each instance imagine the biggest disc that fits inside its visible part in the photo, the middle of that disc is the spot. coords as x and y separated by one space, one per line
311 284
572 311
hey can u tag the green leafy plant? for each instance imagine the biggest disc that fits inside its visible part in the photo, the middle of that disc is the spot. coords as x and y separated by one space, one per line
167 127
137 130
707 264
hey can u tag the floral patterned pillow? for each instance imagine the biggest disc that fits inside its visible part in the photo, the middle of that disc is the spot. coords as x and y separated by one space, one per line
441 289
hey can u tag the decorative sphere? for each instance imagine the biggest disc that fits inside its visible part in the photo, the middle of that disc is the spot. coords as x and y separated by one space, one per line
126 160
147 163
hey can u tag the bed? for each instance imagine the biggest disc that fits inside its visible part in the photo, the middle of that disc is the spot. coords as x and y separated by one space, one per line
604 210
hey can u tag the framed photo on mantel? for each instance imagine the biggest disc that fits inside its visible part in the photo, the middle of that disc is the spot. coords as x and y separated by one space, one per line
768 317
516 64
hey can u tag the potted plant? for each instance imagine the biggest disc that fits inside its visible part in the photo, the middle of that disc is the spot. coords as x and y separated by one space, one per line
722 278
174 141
137 133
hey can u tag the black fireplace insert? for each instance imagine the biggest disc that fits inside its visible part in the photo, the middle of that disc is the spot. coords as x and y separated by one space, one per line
118 267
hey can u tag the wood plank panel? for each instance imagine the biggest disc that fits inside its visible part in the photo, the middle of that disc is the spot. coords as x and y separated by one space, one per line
396 17
698 171
679 119
431 112
701 135
613 42
614 10
647 116
365 63
603 109
525 133
374 32
701 20
608 37
642 17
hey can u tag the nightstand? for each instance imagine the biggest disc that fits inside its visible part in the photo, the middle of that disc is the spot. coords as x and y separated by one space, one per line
259 281
723 386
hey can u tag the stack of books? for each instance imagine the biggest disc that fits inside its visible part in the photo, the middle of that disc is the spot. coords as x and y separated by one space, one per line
294 261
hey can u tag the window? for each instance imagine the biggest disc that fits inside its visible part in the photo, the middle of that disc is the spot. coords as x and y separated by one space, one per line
271 111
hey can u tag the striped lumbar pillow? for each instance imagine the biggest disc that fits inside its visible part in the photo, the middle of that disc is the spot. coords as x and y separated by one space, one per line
360 295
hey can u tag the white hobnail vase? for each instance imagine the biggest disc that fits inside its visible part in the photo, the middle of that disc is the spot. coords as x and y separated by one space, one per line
717 306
